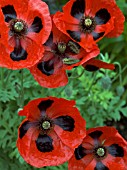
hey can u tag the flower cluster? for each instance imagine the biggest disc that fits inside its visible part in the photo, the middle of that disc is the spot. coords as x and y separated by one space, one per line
50 45
53 131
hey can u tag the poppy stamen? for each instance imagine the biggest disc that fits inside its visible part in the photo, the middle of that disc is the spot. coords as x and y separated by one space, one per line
46 125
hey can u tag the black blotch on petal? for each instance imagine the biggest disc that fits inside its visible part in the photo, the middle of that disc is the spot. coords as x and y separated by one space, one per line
44 105
18 54
78 8
91 68
65 122
46 67
97 35
49 42
9 12
44 143
36 25
79 152
101 166
102 16
96 134
76 35
23 129
116 150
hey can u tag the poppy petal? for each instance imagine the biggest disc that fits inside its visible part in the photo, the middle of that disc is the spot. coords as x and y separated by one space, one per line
39 21
40 151
101 166
46 67
78 8
19 53
46 76
81 164
79 152
21 56
24 128
73 137
119 20
94 64
96 134
49 42
76 35
116 150
44 143
9 12
30 109
44 105
97 35
102 16
65 122
36 25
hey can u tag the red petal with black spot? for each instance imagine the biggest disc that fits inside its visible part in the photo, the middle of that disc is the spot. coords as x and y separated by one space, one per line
103 148
61 54
88 21
94 65
51 131
24 27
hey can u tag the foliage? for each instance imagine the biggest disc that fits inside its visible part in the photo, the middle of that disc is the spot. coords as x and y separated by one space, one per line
100 96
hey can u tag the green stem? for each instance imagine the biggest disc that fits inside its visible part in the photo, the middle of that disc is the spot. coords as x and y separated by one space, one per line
119 73
78 75
22 90
7 77
2 78
94 77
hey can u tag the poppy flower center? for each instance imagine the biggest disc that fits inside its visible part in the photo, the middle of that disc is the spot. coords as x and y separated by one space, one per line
46 125
100 152
87 24
62 47
18 28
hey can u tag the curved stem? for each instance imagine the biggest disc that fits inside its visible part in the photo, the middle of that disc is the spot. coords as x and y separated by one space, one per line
120 73
78 75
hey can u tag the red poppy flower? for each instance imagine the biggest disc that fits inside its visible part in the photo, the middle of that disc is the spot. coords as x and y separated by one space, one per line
94 65
24 27
61 54
88 21
52 129
102 149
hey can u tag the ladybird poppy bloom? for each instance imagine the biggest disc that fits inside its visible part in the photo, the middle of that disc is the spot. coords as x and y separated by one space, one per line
102 149
94 65
51 131
88 21
61 54
24 27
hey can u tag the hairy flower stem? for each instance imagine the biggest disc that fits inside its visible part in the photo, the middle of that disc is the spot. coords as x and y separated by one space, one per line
22 91
119 73
2 78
